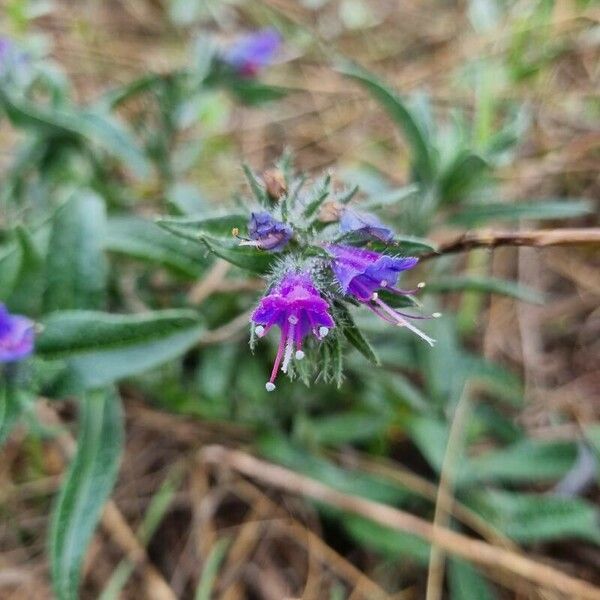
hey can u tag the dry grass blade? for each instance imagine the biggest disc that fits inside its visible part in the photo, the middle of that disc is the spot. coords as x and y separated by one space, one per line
460 545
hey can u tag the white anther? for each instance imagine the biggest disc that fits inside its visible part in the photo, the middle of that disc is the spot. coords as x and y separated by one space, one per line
269 386
299 355
323 331
436 315
383 283
293 319
374 296
421 284
259 330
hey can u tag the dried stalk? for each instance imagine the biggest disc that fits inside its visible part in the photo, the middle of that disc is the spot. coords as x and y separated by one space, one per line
468 548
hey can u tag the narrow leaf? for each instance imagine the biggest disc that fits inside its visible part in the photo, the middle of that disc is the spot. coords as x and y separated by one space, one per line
564 208
101 348
402 116
76 267
87 486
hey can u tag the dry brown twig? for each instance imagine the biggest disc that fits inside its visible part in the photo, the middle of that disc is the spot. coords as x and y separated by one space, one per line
473 550
541 238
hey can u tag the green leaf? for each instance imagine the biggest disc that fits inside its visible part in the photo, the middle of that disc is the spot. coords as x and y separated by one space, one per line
281 450
254 92
194 228
536 517
523 462
466 583
11 407
204 591
246 257
353 334
461 176
257 187
91 127
216 234
87 486
28 288
146 241
389 542
402 116
485 285
10 265
321 193
101 348
346 427
76 266
405 244
539 210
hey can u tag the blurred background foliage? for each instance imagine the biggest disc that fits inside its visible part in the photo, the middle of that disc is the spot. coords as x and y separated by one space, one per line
461 115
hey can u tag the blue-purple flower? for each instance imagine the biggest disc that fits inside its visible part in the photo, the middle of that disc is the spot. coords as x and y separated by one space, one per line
362 273
365 225
298 309
254 52
267 233
17 336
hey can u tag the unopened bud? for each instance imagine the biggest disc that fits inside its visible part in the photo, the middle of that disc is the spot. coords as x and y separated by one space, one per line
275 184
330 212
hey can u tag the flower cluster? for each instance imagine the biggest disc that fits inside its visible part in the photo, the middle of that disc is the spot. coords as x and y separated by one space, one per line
303 296
17 335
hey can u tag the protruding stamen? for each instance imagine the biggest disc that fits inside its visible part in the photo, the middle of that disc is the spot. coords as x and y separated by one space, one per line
299 354
259 330
269 386
436 315
374 296
323 331
383 283
402 322
289 348
421 284
235 232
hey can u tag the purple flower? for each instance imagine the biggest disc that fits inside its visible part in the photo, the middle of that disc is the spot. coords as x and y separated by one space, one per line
267 233
365 224
11 57
253 52
297 308
16 336
361 273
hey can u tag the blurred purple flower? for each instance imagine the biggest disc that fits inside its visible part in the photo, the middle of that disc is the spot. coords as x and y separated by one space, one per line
17 335
364 224
362 273
11 57
267 233
252 53
297 308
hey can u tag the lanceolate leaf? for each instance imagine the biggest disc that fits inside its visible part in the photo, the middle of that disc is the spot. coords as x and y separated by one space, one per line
101 348
485 285
87 486
353 333
76 267
400 113
11 407
91 127
146 241
563 208
195 229
466 583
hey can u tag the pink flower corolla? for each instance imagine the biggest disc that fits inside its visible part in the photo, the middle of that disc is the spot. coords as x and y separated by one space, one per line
17 335
252 53
362 273
298 309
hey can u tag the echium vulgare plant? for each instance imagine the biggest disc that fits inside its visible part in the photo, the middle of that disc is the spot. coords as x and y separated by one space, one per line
319 254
